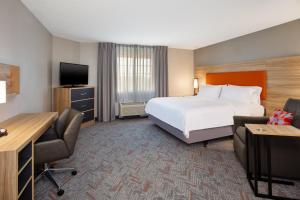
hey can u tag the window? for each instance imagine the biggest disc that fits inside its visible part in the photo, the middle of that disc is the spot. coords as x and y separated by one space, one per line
135 73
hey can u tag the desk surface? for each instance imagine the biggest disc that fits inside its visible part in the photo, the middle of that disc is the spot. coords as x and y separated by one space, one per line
273 130
23 128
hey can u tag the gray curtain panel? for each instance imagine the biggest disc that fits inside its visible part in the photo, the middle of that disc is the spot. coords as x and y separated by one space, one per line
106 81
160 56
121 67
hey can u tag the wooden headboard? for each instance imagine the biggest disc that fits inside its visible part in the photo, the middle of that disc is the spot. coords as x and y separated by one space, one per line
247 78
283 77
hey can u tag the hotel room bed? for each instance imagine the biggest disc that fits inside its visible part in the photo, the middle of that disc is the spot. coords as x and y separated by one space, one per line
195 119
209 115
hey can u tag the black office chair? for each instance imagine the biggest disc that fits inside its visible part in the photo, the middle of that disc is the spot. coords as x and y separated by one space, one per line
58 143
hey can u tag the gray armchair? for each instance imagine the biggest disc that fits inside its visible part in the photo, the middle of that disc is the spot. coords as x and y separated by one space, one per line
58 143
285 150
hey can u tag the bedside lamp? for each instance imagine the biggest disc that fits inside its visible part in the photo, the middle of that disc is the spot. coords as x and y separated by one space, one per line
3 100
196 86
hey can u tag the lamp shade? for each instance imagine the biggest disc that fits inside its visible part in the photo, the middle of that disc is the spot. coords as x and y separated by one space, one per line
196 83
2 92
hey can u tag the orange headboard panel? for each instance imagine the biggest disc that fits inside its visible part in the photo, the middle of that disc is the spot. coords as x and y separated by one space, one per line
246 78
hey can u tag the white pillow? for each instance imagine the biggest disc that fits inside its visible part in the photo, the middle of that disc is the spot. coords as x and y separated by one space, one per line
210 91
244 94
256 95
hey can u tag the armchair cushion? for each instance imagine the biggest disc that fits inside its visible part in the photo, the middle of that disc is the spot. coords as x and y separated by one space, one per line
49 151
242 120
293 106
71 133
50 134
61 123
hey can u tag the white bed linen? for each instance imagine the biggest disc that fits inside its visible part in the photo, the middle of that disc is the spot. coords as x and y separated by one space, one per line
195 113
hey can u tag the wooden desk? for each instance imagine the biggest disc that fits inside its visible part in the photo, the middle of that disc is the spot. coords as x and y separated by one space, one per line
264 131
16 153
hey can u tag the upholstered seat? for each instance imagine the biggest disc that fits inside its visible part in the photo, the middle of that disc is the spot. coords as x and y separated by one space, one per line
50 134
58 143
285 150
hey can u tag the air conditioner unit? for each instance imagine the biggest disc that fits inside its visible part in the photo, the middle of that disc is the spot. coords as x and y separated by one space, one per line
132 109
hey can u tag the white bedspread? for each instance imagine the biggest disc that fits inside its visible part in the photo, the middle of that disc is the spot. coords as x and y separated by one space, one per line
194 113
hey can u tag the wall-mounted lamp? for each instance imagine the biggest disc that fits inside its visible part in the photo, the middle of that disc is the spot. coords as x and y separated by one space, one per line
196 86
3 100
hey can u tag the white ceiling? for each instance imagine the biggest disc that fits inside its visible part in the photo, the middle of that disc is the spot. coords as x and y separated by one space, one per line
186 24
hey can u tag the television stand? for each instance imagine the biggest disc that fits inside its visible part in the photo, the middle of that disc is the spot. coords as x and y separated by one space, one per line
81 98
73 86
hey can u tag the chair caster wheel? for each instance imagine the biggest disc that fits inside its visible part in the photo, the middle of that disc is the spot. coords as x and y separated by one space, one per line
60 192
74 173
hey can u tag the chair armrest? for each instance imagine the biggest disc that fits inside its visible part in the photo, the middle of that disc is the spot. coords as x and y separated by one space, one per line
242 120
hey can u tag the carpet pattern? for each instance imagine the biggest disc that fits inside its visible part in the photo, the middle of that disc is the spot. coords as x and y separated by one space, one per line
134 159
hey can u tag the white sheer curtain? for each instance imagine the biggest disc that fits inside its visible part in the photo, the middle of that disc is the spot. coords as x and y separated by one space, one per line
135 73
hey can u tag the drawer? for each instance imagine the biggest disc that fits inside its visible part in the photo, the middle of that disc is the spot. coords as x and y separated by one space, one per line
27 193
24 176
83 105
89 115
24 155
84 93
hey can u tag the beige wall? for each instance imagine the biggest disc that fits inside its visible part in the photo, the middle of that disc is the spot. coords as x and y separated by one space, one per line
181 72
278 41
63 51
25 42
89 56
181 67
74 52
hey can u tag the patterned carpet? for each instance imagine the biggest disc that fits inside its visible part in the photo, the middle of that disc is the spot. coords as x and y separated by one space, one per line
134 159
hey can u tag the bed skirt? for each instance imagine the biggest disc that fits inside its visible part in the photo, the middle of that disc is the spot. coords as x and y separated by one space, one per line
195 135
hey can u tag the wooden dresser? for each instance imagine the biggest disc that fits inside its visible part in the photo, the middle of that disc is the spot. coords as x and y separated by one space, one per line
79 98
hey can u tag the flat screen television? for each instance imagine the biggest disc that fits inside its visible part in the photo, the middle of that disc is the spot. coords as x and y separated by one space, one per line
73 74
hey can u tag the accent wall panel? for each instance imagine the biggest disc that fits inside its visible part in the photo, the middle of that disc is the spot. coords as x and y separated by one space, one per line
283 77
